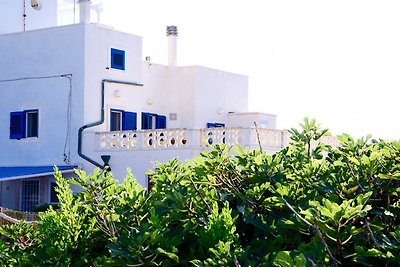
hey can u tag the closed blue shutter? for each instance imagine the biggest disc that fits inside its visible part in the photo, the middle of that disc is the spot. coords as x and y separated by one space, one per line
146 121
129 121
117 59
17 125
215 125
161 122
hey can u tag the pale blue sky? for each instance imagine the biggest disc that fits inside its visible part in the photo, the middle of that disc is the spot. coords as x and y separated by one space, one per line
336 61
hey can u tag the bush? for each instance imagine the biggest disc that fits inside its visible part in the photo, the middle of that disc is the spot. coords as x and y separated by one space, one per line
307 205
45 207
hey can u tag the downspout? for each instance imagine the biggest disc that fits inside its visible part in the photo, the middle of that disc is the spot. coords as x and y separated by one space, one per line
93 124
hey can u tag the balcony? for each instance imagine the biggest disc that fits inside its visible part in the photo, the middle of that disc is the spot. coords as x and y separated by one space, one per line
270 140
181 139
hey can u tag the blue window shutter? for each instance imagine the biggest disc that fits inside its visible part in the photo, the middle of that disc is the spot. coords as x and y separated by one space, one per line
117 59
17 125
215 125
161 122
129 120
146 121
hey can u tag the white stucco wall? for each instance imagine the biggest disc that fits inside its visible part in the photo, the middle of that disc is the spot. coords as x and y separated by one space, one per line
218 93
98 43
247 120
41 53
12 20
196 94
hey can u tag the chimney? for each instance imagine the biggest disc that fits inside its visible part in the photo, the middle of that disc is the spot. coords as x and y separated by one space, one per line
84 11
172 34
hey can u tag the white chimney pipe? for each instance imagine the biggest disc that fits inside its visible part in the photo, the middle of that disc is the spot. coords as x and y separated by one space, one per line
84 11
172 34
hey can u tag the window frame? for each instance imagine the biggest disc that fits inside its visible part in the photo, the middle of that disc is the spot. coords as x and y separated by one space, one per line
125 125
114 64
27 130
29 198
23 130
153 121
50 192
120 111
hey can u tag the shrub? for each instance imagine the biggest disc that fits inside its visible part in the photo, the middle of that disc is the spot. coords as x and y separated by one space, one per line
307 205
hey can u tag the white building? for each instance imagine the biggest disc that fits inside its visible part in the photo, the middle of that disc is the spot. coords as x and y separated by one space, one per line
80 96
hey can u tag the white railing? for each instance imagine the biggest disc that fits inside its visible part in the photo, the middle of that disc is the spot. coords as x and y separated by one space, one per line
190 139
144 140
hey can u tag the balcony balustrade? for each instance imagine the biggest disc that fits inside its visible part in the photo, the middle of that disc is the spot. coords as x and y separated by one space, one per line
269 139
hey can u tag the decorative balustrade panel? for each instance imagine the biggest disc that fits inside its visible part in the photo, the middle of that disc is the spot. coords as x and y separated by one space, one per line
230 136
117 140
269 138
166 139
143 140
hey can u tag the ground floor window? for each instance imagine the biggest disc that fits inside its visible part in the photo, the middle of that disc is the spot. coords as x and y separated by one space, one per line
53 193
29 195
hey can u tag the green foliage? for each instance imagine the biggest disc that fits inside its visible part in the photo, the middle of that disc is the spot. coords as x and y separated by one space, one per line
307 205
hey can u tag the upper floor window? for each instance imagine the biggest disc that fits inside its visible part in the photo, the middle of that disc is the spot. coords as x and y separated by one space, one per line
121 120
117 59
32 123
24 124
153 121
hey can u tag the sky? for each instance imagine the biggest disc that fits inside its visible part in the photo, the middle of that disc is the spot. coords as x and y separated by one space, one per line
335 61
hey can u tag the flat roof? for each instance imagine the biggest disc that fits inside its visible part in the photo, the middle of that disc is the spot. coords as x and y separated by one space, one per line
24 172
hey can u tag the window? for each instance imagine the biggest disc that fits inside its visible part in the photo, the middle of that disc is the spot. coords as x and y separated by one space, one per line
53 193
116 120
29 195
32 123
121 120
153 121
215 125
24 124
117 59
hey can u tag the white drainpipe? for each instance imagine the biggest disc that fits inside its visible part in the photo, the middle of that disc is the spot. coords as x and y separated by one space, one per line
172 34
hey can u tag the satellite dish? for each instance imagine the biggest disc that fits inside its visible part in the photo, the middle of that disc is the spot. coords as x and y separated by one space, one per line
36 4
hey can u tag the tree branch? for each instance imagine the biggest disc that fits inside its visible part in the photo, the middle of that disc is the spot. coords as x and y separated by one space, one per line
316 228
199 194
